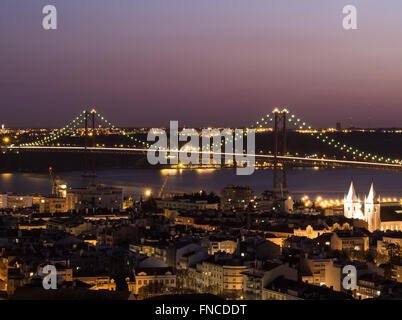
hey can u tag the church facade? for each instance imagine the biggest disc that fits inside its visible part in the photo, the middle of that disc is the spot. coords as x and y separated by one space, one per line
367 209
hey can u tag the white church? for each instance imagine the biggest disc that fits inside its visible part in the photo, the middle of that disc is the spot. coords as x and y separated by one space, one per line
367 209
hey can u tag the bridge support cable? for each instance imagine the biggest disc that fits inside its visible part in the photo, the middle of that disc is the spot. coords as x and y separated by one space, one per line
291 118
257 124
121 131
348 150
65 131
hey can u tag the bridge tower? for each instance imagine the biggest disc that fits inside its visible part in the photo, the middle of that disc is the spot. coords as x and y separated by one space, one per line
89 157
280 181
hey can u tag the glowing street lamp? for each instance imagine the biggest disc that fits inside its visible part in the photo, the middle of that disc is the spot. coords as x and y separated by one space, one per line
148 192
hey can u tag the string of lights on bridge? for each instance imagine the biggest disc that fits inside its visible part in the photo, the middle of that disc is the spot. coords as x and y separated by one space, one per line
300 125
339 145
68 129
134 139
53 136
261 123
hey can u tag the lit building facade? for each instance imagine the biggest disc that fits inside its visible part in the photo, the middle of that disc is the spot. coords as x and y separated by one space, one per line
367 210
13 201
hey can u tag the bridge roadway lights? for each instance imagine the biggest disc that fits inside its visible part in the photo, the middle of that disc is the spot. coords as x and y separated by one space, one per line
288 159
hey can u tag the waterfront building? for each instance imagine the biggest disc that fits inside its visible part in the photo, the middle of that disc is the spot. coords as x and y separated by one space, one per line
15 201
97 196
53 204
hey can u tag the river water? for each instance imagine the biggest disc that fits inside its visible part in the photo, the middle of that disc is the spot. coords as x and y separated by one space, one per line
330 183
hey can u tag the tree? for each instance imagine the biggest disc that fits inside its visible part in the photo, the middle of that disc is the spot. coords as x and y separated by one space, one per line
151 290
394 251
212 289
231 294
149 205
183 279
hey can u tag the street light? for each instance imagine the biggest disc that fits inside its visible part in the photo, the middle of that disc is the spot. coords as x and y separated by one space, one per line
148 193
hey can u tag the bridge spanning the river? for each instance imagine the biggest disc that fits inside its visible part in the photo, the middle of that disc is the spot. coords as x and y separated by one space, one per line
278 120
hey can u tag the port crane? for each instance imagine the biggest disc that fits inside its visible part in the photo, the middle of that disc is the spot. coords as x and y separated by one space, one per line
53 181
163 186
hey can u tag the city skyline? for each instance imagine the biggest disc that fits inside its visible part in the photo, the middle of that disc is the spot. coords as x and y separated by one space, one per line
144 63
171 152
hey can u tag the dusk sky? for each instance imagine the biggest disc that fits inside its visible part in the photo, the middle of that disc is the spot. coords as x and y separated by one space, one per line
202 62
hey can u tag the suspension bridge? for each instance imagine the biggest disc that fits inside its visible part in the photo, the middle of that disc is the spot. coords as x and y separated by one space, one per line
90 122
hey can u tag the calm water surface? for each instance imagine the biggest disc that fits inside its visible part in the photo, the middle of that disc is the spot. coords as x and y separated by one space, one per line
326 182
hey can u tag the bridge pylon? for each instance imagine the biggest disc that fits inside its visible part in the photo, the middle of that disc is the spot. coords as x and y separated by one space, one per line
280 179
89 157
